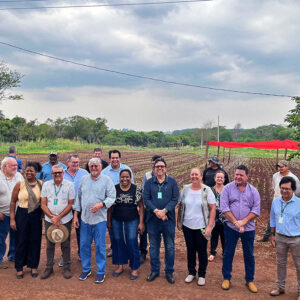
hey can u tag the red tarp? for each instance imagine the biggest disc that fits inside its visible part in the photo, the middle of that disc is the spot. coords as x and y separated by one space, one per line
276 144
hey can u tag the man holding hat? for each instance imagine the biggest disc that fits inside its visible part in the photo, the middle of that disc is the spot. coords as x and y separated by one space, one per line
210 172
57 198
283 167
45 174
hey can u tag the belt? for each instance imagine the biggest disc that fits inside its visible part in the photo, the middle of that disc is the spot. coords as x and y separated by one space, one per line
288 236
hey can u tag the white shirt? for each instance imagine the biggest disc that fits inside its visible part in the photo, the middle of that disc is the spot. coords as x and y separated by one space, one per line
193 216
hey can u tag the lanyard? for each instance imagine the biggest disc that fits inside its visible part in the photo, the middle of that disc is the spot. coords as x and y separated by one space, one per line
283 208
57 192
160 186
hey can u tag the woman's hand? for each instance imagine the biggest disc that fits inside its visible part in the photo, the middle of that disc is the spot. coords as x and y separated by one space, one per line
13 224
207 233
272 240
141 228
75 222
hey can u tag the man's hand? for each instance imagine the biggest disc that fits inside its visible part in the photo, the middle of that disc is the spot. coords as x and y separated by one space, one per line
238 224
2 216
242 229
96 207
161 213
75 222
55 220
13 224
272 240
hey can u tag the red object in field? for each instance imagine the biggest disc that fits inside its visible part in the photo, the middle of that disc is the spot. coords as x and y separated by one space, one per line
275 144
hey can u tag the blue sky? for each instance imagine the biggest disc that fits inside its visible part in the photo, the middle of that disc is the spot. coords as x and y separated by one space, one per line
232 44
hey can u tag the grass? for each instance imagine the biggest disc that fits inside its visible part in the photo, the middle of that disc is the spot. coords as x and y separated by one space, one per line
64 145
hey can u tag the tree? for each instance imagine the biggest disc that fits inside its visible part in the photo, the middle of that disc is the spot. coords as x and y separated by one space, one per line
293 118
9 79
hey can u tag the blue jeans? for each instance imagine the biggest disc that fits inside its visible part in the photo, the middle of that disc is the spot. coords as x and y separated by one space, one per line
4 230
231 239
156 228
88 233
125 244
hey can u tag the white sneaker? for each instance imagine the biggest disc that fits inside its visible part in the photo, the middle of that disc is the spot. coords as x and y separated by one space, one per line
189 278
61 262
201 281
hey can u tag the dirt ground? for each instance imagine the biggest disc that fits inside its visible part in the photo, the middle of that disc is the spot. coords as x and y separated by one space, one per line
56 287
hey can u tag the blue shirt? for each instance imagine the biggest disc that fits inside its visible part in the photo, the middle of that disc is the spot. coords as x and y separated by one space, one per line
290 225
92 191
76 178
169 196
19 162
115 174
45 174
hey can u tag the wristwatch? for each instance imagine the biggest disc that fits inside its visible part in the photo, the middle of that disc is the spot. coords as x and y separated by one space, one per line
165 210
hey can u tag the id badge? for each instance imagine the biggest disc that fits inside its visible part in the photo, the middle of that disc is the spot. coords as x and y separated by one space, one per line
159 195
55 201
280 220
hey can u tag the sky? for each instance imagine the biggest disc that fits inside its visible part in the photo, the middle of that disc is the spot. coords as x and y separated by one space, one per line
225 44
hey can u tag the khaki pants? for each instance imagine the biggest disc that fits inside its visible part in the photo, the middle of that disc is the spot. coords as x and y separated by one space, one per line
283 244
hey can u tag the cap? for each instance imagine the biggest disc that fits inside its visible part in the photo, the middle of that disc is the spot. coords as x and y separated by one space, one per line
283 163
53 152
214 159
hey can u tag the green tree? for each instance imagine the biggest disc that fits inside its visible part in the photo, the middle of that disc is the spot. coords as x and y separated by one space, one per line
8 79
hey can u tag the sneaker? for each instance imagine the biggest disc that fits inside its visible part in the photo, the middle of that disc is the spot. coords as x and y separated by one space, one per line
61 262
201 281
189 278
277 292
100 278
84 275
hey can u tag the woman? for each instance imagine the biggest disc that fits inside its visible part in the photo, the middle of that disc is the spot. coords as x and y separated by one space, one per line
196 215
125 219
219 226
27 221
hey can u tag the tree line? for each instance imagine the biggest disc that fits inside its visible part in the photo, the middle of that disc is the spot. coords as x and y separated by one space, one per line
89 130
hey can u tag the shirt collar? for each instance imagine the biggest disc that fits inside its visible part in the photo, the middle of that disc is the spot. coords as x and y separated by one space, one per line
293 199
155 179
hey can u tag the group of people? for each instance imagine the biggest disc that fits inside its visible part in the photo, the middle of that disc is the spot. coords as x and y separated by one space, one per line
103 196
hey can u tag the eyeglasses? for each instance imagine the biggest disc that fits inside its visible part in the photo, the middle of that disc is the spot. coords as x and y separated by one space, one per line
94 166
160 167
57 173
285 189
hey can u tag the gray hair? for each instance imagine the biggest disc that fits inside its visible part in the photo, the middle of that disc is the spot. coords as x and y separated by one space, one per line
95 160
57 166
4 161
72 155
12 149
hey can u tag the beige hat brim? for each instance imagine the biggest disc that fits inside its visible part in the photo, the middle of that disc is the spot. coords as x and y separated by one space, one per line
57 234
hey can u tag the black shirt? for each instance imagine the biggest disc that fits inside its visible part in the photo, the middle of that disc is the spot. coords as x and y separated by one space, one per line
209 176
125 206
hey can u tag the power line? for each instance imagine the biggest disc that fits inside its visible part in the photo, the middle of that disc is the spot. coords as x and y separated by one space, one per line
145 77
104 5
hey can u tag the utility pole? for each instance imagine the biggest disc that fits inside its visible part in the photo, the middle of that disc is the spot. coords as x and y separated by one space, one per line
218 129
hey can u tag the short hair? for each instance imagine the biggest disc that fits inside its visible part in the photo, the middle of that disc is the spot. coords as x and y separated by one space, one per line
98 150
126 170
220 171
114 151
95 160
287 179
243 168
72 155
160 159
12 149
34 164
155 157
57 166
5 161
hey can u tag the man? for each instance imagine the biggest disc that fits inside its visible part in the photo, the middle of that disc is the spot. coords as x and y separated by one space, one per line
160 196
240 203
46 172
143 237
283 167
96 193
8 179
210 172
113 172
12 152
97 154
57 198
284 220
74 175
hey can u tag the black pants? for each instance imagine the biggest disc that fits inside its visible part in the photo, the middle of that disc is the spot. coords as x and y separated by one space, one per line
78 233
216 232
65 248
195 243
28 238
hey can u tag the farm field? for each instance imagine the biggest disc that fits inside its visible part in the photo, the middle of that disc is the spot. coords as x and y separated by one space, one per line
179 165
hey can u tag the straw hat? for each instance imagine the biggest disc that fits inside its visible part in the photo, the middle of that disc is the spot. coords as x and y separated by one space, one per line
57 234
